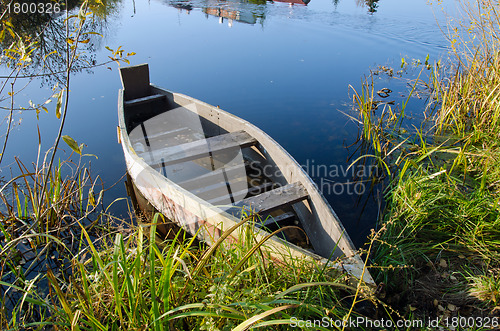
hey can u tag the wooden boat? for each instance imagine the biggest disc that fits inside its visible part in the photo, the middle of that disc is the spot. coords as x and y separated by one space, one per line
204 168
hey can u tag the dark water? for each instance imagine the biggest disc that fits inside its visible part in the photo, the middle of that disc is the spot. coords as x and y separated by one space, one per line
286 68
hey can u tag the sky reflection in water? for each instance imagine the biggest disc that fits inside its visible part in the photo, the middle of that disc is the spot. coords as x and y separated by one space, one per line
285 68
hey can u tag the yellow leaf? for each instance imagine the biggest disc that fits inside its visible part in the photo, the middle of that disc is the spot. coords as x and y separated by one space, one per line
72 143
59 103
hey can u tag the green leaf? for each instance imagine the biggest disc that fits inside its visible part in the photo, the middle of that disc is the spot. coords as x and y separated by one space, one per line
73 144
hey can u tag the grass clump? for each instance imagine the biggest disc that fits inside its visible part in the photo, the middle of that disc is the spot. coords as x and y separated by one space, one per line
135 283
39 239
440 237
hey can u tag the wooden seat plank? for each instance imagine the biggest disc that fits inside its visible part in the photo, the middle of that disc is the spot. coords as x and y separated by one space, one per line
275 199
199 148
140 101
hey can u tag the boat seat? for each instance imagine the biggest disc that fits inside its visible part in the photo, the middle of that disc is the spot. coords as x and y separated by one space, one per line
143 100
198 148
275 199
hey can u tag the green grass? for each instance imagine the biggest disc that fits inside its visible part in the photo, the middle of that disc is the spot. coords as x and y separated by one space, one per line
439 237
133 283
436 253
35 239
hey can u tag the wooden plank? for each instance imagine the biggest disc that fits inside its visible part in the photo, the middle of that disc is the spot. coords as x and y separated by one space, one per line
199 148
214 186
162 135
143 100
250 191
270 220
135 81
275 199
208 178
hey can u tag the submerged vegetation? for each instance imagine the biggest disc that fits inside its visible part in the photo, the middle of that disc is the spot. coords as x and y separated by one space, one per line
66 263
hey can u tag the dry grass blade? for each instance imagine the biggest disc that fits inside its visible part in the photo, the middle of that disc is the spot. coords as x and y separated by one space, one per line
251 321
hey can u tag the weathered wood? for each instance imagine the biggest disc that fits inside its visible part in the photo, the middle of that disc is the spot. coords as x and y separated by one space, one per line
275 199
161 135
199 148
250 191
205 189
143 100
135 81
208 178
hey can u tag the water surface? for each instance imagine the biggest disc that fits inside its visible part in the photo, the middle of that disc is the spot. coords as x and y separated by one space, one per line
284 67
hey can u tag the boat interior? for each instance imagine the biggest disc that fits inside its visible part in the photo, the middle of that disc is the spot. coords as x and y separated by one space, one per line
210 154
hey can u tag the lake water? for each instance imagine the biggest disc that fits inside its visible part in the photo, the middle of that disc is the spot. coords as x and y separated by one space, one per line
284 67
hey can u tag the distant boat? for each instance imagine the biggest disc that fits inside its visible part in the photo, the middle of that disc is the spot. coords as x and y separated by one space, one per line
205 169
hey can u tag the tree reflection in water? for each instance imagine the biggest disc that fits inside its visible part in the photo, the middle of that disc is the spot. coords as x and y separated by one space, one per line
45 36
371 4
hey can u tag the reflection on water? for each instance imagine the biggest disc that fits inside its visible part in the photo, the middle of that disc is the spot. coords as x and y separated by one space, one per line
289 78
371 4
45 36
242 11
